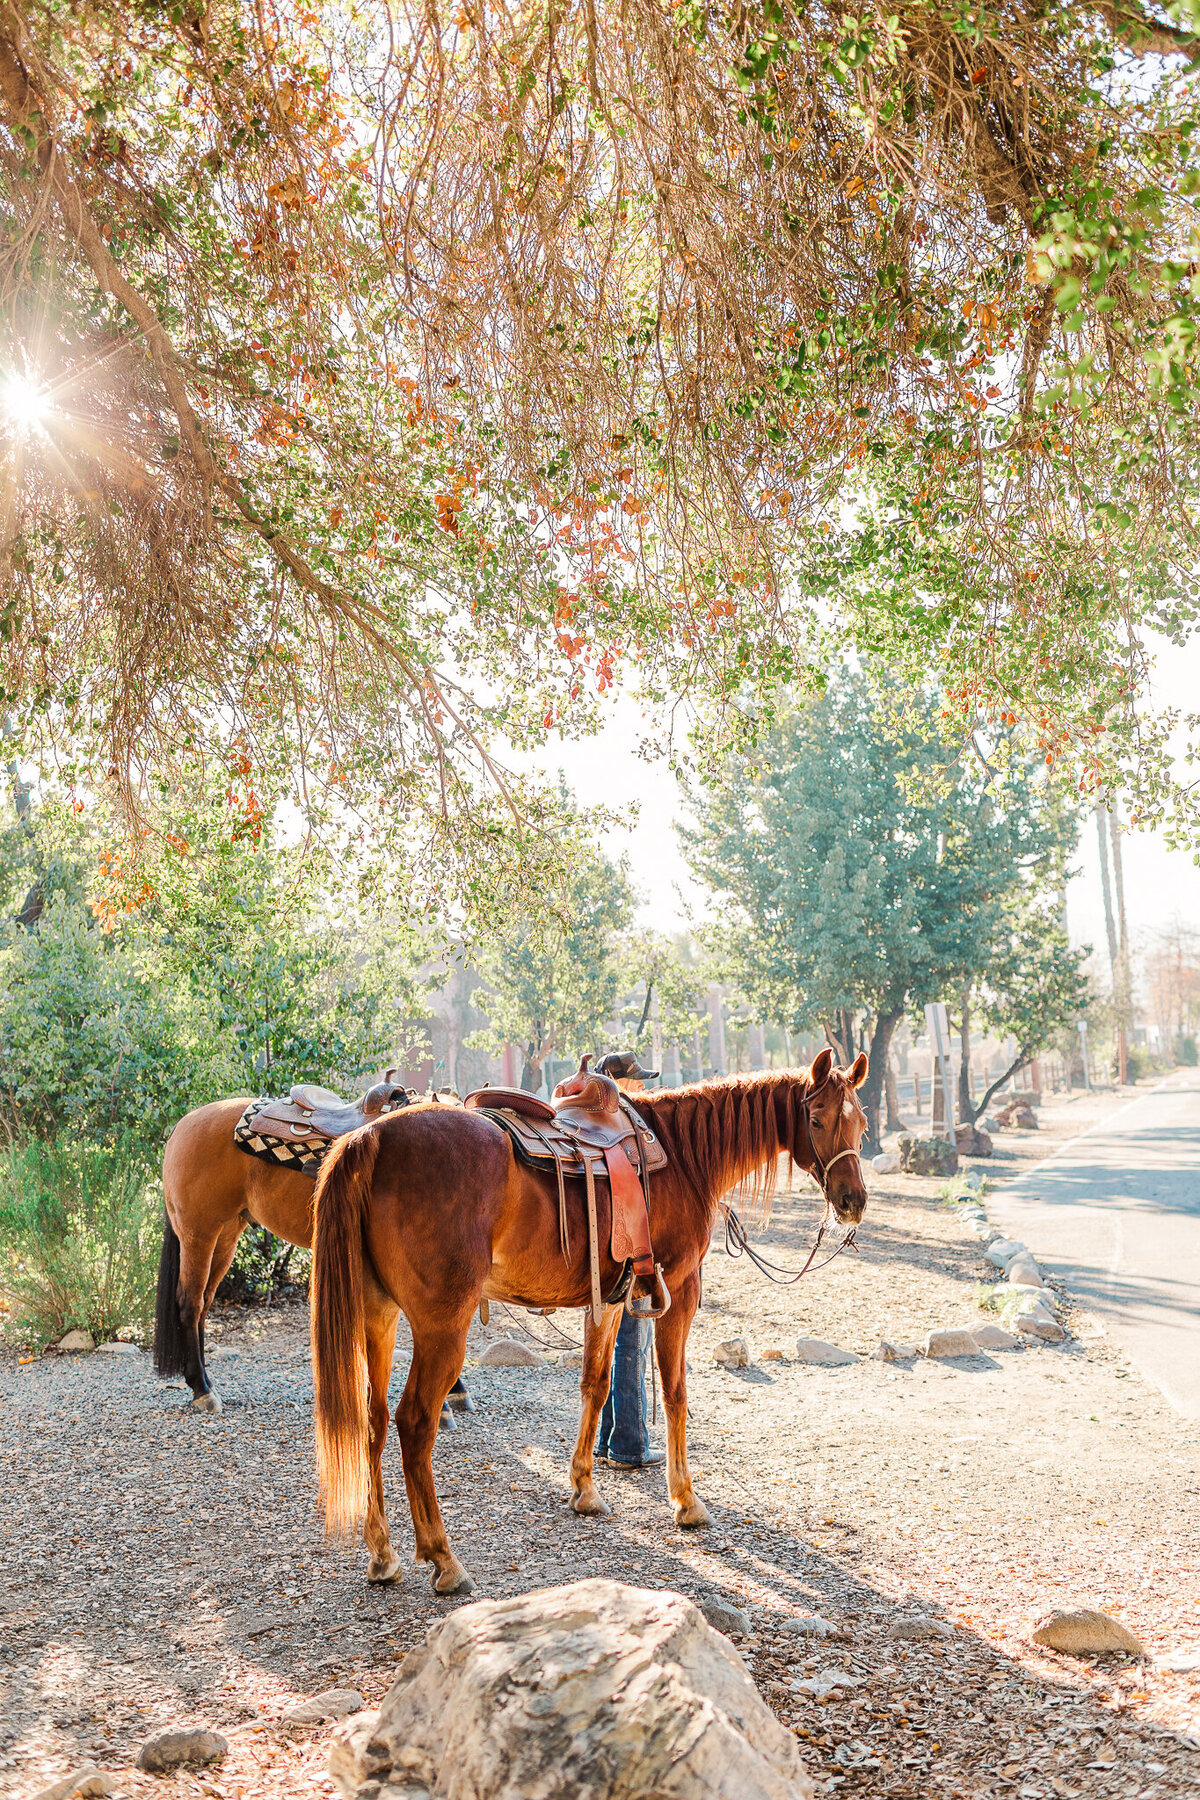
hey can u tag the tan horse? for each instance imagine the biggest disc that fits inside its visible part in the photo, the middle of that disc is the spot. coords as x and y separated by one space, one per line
428 1212
213 1191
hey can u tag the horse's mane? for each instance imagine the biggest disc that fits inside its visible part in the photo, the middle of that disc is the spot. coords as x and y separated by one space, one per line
722 1135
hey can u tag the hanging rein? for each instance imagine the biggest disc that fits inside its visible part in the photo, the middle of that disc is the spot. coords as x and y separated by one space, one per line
738 1244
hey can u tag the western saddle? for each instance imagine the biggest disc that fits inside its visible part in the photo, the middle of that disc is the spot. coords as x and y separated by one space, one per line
589 1129
315 1115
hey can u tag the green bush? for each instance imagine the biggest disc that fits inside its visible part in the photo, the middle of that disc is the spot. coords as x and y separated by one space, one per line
264 1267
80 1230
1186 1052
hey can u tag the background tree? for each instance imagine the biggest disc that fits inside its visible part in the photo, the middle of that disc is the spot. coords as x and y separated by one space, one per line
661 987
862 867
550 980
1033 988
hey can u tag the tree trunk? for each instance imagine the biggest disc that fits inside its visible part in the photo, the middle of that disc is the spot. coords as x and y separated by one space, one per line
1125 985
840 1032
1022 1062
1110 930
892 1098
871 1092
531 1073
965 1108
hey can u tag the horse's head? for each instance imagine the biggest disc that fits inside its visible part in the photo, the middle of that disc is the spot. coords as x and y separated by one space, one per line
836 1123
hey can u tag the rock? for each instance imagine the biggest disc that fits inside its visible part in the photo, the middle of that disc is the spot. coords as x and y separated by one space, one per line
928 1156
87 1781
992 1123
773 1355
821 1354
970 1141
994 1337
1017 1114
888 1352
1023 1270
975 1181
954 1342
1039 1324
595 1688
1179 1662
812 1625
571 1359
1001 1253
76 1340
724 1616
1078 1631
829 1681
507 1353
886 1163
733 1353
114 1347
179 1744
334 1703
915 1630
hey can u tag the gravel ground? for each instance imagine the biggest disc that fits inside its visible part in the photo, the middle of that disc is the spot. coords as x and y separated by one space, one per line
159 1566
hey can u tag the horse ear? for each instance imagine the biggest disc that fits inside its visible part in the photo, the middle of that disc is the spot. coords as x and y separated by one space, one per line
822 1064
857 1074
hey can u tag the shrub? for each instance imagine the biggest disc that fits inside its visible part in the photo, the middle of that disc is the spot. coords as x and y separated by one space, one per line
1186 1052
80 1229
264 1267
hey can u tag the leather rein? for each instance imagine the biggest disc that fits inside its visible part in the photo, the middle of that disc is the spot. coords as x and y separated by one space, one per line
738 1244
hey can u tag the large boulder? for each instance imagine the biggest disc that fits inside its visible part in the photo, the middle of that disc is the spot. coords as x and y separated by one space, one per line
573 1692
971 1141
928 1156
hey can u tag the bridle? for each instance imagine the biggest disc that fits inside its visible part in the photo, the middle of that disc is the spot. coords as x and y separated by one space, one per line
738 1244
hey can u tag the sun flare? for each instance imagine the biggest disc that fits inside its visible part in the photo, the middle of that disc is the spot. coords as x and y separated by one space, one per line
24 403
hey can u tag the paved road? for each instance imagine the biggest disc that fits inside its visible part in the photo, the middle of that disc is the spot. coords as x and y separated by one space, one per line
1117 1212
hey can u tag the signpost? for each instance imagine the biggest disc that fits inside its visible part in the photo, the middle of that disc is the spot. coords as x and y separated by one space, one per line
938 1027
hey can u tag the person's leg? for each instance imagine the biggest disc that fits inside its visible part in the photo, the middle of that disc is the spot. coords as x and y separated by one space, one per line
625 1422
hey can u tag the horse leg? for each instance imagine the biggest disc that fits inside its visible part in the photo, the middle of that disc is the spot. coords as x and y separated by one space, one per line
598 1344
459 1398
437 1358
670 1344
196 1261
381 1316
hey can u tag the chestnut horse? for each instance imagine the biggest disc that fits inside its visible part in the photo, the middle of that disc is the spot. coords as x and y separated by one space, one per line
213 1191
428 1212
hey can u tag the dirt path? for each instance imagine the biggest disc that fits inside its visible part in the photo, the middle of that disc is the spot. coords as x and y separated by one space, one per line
158 1566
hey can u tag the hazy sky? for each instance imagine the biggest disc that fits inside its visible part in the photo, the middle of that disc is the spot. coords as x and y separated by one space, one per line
1159 883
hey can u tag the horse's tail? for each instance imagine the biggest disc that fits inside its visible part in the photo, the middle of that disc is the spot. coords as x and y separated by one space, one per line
338 1329
170 1345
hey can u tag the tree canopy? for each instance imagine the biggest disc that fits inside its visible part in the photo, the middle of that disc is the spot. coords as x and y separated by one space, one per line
384 383
862 869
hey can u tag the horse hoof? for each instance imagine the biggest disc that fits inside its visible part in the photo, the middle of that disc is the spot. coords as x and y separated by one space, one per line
589 1505
380 1573
446 1420
210 1403
453 1579
693 1516
460 1400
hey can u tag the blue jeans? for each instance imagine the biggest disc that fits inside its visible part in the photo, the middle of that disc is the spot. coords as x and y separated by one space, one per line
625 1422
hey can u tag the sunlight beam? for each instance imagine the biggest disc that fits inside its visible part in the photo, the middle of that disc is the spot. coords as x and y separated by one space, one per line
24 404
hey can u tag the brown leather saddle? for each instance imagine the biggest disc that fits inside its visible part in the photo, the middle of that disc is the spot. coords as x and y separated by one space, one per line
590 1130
315 1115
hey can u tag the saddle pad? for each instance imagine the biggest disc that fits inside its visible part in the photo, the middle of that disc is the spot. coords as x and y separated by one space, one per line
305 1156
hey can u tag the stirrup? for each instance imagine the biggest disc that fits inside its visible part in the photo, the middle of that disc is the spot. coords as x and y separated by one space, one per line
646 1309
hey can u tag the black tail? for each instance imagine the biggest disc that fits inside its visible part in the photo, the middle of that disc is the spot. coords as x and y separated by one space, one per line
170 1346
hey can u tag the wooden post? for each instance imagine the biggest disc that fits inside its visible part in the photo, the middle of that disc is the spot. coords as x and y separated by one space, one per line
939 1036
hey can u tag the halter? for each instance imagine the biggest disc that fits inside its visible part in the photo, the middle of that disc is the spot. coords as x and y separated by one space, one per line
738 1244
